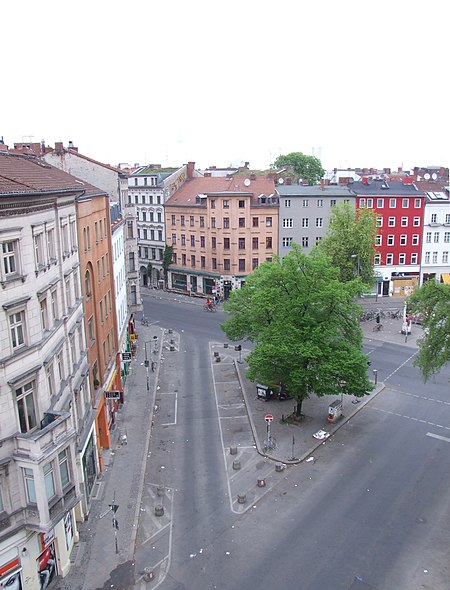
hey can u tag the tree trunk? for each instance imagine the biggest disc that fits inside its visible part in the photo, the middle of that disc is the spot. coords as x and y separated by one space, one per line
298 413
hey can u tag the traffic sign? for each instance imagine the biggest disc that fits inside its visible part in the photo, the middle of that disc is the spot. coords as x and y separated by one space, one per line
126 356
268 418
112 394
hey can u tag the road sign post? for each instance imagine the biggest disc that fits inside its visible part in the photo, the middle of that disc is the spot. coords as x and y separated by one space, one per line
269 442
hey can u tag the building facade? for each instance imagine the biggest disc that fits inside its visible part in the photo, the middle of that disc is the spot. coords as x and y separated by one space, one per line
435 257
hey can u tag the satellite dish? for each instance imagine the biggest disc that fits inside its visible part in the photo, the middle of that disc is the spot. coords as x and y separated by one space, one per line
434 176
247 182
280 180
426 176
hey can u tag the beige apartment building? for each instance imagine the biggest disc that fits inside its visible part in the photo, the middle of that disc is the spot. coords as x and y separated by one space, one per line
220 228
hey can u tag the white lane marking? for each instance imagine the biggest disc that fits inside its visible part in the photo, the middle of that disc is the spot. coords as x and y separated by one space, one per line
400 366
409 418
175 412
438 436
424 397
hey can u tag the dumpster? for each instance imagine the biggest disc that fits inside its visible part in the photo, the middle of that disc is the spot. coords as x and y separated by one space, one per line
267 392
334 411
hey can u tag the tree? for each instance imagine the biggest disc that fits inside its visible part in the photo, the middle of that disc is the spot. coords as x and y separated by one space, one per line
432 302
304 324
166 262
307 168
350 242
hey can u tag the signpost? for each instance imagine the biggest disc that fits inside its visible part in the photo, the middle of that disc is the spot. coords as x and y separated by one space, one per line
112 394
269 443
126 357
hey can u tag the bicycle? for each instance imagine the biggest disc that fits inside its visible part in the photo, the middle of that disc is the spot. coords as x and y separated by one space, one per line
377 328
211 307
144 321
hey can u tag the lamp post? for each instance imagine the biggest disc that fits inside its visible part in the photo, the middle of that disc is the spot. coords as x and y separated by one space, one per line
146 363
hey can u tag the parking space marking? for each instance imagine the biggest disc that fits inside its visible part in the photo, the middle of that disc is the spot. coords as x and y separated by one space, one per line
409 418
400 366
438 436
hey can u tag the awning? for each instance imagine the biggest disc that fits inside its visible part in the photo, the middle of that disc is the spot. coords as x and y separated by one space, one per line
445 277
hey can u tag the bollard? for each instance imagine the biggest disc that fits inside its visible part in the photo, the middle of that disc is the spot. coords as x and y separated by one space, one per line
217 359
172 348
233 450
159 510
261 483
172 341
160 491
279 466
216 353
236 464
242 498
170 331
225 344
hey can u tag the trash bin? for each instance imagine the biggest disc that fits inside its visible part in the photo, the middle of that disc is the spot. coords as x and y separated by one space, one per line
334 411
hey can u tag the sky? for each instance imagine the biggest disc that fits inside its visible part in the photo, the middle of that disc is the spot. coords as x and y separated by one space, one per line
357 83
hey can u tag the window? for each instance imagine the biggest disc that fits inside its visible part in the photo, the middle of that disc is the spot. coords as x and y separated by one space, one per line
404 222
288 222
269 242
380 203
287 202
255 243
91 332
417 203
427 258
435 258
183 220
226 243
192 241
362 203
379 221
203 261
445 257
255 221
319 222
174 239
436 237
183 239
213 203
433 218
131 261
413 258
213 222
378 240
241 243
392 203
242 264
226 223
202 221
447 218
29 485
214 263
377 259
49 481
54 304
401 258
183 259
255 263
191 221
318 239
391 222
202 241
226 204
214 242
305 202
16 329
241 221
193 260
268 222
38 250
390 240
173 219
405 203
130 231
305 242
25 407
226 264
370 203
9 255
415 240
44 313
305 222
241 204
389 258
287 242
403 240
447 237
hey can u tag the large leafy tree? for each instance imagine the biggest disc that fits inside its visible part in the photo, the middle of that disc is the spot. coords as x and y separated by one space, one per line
305 167
432 302
305 327
166 262
350 242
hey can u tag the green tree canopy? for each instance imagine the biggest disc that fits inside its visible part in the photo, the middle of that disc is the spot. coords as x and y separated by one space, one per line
305 326
432 302
307 168
166 262
350 242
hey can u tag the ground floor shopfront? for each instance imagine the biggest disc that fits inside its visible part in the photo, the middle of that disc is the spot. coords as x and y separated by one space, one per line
396 281
203 283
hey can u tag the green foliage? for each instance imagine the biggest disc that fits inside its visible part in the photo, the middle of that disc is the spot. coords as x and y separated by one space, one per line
350 242
307 168
167 261
432 302
305 326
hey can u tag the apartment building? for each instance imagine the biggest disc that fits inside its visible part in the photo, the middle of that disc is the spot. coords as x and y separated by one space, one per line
436 237
305 212
220 228
48 456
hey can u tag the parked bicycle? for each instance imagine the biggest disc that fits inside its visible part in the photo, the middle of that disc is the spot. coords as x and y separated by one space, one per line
144 321
377 328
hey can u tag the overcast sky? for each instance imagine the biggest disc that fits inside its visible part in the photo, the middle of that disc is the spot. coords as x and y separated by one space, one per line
355 82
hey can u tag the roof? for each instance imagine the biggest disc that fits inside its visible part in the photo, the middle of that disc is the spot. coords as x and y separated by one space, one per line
24 174
152 171
225 186
392 188
303 190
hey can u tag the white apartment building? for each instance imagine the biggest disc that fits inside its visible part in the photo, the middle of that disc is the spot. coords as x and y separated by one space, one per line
435 256
47 434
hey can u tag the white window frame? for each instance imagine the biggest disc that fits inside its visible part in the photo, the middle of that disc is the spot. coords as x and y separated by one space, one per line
414 258
404 222
402 258
389 259
391 222
403 239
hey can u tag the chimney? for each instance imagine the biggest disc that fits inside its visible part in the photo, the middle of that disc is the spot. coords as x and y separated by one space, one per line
252 176
190 169
59 147
399 169
322 184
246 164
288 180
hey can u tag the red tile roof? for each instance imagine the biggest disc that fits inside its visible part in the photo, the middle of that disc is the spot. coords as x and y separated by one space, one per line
22 174
187 193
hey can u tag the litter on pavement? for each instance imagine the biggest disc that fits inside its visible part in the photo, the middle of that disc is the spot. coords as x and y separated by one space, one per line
321 434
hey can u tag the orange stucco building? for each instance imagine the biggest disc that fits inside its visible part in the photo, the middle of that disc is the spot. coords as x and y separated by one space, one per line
220 228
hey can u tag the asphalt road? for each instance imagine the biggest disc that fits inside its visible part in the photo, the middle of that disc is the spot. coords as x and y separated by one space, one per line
373 511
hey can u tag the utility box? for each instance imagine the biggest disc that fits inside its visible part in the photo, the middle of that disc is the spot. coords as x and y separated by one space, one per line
334 411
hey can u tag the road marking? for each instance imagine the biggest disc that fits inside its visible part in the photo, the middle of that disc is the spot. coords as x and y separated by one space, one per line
409 418
438 436
400 366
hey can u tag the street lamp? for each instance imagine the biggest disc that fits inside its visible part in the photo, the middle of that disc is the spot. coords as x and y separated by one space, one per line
155 342
147 362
